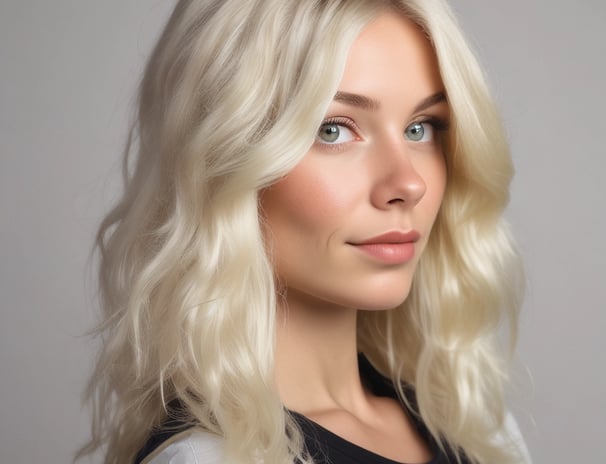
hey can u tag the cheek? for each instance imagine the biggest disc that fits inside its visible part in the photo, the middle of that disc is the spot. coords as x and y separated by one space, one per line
305 216
439 181
306 203
434 175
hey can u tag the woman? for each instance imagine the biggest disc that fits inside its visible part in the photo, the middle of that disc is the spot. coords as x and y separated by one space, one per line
315 209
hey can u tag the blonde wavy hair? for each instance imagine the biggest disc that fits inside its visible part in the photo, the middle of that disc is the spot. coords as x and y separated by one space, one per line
231 100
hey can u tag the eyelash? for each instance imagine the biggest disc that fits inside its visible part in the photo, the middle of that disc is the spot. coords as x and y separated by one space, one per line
343 121
438 124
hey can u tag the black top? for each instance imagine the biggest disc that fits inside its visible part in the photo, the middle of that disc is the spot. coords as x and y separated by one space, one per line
326 447
323 445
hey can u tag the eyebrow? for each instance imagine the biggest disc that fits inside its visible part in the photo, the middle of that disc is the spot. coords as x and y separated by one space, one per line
430 101
360 101
370 104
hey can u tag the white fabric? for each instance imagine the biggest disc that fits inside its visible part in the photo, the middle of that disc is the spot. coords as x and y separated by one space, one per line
511 434
201 447
197 447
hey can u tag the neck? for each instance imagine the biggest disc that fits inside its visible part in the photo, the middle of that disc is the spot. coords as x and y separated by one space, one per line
316 356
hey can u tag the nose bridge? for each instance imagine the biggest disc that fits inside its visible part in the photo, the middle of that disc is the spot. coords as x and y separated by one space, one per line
397 179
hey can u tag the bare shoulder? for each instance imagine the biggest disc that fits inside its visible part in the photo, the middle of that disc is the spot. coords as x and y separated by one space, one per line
194 446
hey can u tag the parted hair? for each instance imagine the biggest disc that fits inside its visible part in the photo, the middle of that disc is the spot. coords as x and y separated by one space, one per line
230 101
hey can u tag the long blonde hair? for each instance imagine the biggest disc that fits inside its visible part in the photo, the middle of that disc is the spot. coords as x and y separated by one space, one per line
230 101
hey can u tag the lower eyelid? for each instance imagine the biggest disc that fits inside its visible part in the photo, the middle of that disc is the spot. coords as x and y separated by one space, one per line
332 147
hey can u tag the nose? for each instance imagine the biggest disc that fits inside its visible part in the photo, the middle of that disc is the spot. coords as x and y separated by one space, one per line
397 181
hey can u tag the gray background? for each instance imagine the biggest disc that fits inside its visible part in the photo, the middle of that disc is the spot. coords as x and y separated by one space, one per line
67 79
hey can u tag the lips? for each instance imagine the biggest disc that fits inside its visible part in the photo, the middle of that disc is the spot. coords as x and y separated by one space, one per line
392 237
393 247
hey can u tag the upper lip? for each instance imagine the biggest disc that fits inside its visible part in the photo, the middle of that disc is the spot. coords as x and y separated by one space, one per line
391 237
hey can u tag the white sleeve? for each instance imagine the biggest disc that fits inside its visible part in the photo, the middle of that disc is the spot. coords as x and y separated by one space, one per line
512 436
193 447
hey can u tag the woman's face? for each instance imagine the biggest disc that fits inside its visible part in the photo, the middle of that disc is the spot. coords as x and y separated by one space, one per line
347 226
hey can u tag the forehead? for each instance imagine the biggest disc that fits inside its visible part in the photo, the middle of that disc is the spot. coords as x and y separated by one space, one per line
392 59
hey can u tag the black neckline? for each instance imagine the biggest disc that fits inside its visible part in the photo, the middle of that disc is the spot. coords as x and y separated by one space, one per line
323 442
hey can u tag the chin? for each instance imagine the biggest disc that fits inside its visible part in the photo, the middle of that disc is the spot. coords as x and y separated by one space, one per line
378 300
382 295
382 304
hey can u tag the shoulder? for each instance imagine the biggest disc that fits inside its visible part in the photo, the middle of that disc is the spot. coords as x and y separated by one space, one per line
193 446
511 436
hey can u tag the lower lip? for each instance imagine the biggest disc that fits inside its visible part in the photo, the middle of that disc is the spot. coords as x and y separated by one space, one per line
389 253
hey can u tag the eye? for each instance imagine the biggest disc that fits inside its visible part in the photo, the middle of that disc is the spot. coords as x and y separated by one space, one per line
333 133
420 132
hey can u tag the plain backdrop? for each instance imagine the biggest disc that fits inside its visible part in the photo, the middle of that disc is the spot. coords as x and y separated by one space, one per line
68 72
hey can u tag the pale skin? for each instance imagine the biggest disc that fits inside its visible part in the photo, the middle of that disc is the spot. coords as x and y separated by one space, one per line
377 167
